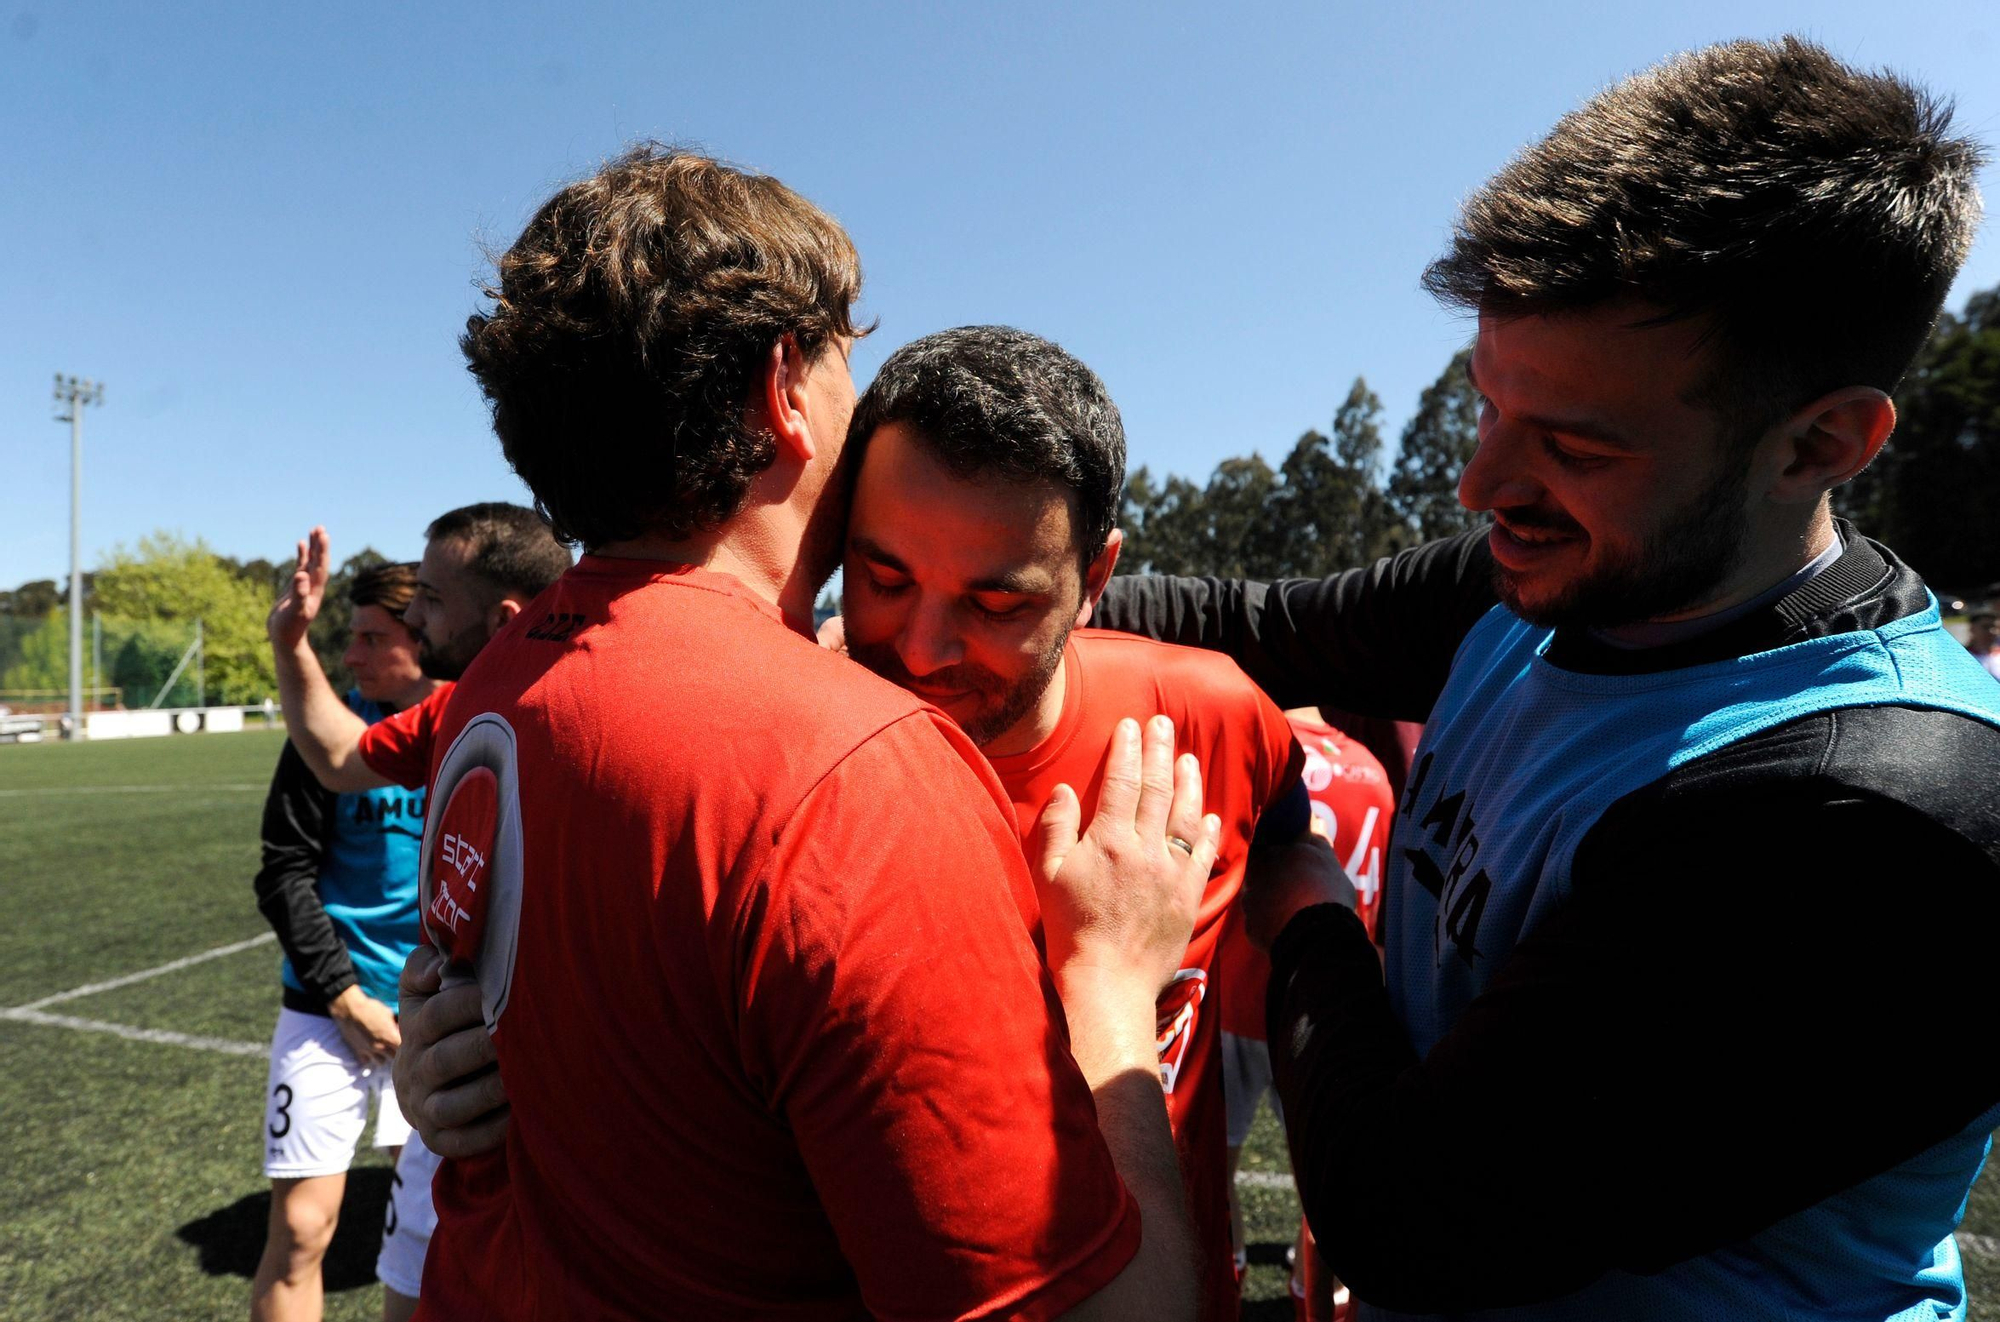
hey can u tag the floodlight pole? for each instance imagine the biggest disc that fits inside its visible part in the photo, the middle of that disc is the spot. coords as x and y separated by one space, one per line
76 393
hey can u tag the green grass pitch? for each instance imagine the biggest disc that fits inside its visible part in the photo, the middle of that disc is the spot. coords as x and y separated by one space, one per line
130 1184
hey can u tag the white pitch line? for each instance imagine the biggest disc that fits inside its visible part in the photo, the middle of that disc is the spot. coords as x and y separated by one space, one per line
159 1035
91 989
1266 1180
126 789
1984 1245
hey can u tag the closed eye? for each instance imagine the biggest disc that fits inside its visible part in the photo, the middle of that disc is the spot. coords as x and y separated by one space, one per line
1579 460
1000 613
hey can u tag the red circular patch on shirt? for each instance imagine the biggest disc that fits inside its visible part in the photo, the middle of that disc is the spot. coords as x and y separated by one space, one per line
456 915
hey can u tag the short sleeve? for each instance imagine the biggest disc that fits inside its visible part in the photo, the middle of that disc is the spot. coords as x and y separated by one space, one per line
398 748
896 1014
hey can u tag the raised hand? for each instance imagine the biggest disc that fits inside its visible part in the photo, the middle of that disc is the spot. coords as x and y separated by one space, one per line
299 605
1119 900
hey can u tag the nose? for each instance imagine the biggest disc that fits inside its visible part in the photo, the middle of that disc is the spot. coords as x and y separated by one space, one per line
930 639
353 658
413 615
1498 475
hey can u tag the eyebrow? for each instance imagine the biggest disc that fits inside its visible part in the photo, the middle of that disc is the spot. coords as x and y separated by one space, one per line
1018 582
1579 427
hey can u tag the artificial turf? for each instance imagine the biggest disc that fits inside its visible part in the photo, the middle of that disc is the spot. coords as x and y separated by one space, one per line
130 1184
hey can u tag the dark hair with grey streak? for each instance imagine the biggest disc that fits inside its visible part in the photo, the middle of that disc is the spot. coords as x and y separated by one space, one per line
992 399
511 547
1814 214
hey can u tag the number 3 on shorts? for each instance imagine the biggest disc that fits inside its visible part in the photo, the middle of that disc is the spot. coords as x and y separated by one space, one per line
282 1109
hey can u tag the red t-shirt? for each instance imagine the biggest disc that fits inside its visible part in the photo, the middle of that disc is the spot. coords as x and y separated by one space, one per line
1248 757
775 1033
399 747
1352 803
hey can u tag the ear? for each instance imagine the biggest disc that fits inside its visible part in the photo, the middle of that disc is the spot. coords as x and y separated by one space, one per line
782 393
1830 440
501 614
1098 576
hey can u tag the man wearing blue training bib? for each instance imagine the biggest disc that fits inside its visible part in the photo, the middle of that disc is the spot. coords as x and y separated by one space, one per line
1695 880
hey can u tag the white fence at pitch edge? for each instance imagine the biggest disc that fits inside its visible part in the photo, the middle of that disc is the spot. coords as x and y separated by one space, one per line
146 723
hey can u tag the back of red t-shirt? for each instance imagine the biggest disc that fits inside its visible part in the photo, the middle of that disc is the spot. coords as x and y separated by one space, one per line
1248 758
776 1038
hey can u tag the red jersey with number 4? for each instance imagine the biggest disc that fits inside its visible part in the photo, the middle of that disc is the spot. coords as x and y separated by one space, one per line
757 957
1351 807
1248 758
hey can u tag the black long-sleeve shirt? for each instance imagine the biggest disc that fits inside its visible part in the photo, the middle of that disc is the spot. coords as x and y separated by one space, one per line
298 821
1810 907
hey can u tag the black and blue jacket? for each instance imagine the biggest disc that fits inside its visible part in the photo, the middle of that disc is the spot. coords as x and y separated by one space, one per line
1687 947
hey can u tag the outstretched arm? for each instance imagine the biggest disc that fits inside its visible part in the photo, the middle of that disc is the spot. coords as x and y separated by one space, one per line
1378 640
321 727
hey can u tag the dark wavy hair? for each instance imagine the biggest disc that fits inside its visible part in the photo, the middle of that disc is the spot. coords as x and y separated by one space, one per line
992 399
1812 213
626 330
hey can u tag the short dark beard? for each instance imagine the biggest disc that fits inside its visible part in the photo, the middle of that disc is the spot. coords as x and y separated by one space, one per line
1678 566
450 660
1001 707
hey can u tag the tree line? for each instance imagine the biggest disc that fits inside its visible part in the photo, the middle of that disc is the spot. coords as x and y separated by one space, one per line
143 602
1327 506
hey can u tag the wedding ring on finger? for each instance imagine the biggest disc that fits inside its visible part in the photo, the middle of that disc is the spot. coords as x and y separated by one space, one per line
1181 845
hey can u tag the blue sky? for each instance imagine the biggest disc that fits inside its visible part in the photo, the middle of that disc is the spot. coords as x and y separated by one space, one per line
262 226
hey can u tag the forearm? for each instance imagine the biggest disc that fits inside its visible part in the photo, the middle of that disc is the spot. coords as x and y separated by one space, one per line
321 726
297 813
1377 640
306 935
1112 1035
1285 877
1623 1065
1345 1073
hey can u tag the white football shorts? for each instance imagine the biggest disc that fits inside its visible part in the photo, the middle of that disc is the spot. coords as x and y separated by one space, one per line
409 1221
316 1101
